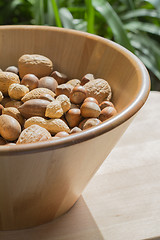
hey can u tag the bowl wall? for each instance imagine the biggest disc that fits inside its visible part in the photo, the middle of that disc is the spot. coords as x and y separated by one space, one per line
39 182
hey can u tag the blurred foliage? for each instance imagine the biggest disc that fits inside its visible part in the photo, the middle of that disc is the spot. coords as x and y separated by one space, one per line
135 24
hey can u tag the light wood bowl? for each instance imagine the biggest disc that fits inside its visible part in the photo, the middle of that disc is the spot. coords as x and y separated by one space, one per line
41 181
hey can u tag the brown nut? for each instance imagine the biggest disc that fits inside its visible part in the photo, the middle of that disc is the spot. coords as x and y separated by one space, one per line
91 122
82 123
30 81
87 78
2 141
74 82
6 79
99 89
1 96
52 125
78 94
48 82
75 130
90 99
59 77
90 110
1 108
107 113
37 93
33 134
65 102
105 104
33 107
73 117
35 64
10 128
13 103
54 110
12 69
47 97
64 89
61 134
14 112
17 91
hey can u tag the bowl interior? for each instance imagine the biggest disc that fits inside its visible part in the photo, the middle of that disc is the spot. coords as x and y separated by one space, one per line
75 54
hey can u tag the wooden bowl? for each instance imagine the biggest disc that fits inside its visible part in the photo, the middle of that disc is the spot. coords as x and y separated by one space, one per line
41 181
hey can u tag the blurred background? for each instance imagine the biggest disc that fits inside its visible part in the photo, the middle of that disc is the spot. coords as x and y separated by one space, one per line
135 24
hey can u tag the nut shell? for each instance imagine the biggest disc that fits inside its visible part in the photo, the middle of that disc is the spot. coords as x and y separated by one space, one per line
37 93
14 112
52 125
90 110
61 78
17 91
33 134
48 82
33 107
6 79
54 110
35 64
91 122
30 81
10 128
99 89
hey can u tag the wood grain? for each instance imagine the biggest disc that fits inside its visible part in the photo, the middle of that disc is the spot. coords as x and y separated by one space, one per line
122 200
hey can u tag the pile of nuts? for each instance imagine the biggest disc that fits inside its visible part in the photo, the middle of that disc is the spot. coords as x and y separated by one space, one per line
40 104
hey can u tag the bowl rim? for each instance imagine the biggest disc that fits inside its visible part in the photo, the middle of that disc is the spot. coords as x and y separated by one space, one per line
123 116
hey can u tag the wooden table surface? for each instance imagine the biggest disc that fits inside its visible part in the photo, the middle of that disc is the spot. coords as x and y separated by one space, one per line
122 201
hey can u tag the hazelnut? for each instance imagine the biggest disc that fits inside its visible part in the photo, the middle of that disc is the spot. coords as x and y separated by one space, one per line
61 134
107 113
90 99
73 117
90 110
82 123
91 122
78 94
48 82
12 69
30 81
105 104
59 77
64 89
75 130
87 78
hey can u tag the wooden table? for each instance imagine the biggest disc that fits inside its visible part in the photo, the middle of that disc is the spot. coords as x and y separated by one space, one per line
122 201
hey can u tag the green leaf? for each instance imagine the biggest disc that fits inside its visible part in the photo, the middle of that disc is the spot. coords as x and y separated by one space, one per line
141 13
154 3
90 16
66 18
56 13
136 26
113 20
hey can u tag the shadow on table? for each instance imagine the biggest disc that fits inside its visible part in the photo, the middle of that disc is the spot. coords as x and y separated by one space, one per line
77 223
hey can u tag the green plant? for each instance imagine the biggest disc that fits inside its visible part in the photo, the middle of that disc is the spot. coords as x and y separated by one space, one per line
135 24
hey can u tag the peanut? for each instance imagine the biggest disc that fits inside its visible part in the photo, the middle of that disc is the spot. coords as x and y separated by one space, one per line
52 125
1 96
6 79
17 91
54 110
65 102
36 94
